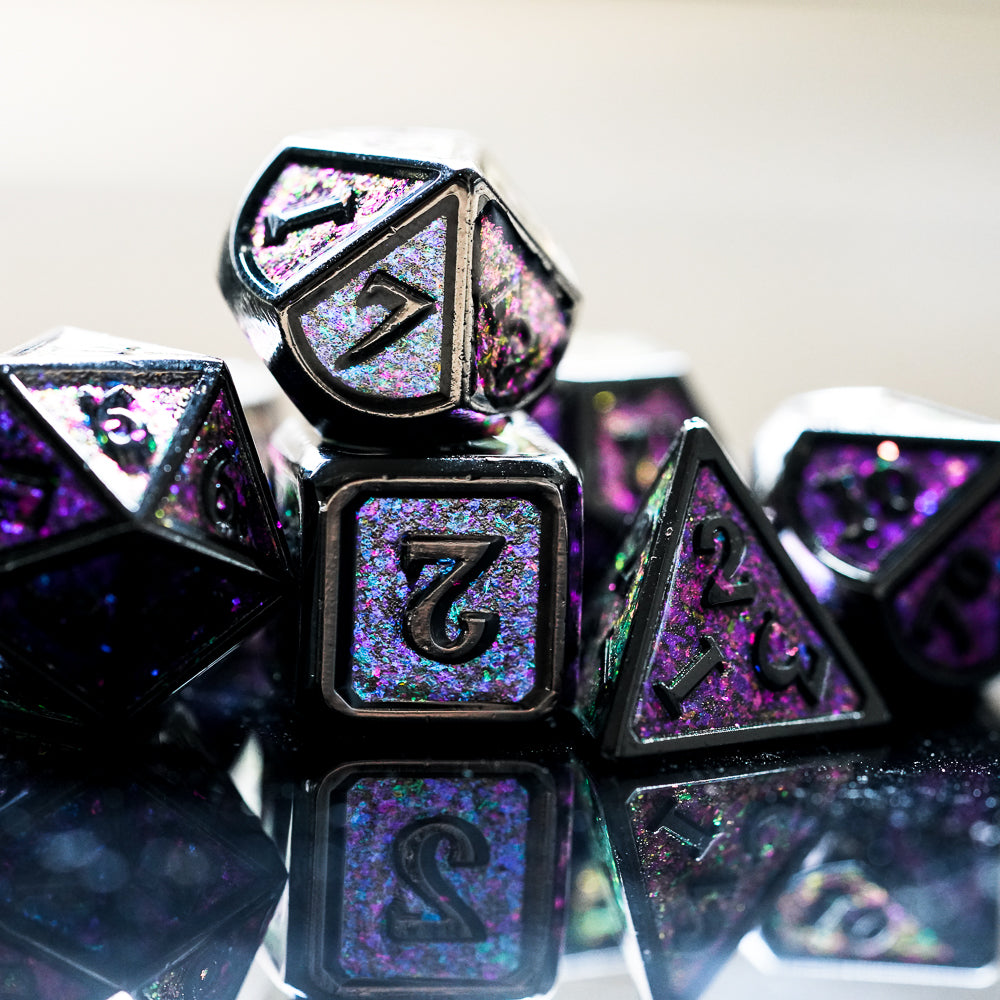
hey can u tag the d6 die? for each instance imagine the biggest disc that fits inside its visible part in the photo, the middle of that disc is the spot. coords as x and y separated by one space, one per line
138 542
889 505
387 285
441 585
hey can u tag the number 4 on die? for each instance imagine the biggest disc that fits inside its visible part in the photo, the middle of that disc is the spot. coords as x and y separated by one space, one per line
709 635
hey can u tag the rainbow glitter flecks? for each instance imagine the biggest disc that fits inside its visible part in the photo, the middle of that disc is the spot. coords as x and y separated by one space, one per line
383 667
733 696
405 368
522 315
301 185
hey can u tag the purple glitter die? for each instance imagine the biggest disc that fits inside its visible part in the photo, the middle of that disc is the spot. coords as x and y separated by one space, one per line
395 307
389 931
212 493
522 315
859 499
41 495
120 429
384 666
286 242
947 613
732 694
707 855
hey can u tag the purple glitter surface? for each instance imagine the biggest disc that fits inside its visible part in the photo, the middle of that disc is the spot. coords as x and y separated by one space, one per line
40 495
212 492
861 500
377 810
948 612
522 325
300 185
405 368
731 696
634 428
383 666
154 409
708 852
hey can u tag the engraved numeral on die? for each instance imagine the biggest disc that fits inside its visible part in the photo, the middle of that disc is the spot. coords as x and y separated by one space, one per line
734 548
425 621
219 496
414 856
277 225
673 822
672 696
893 492
803 664
965 578
408 308
121 435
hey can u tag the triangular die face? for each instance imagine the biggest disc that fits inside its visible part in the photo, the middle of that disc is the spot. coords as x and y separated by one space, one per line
708 855
120 427
740 650
214 492
945 614
314 208
41 495
857 498
383 332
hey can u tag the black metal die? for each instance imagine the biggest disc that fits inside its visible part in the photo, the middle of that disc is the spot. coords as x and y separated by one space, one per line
442 585
390 288
138 540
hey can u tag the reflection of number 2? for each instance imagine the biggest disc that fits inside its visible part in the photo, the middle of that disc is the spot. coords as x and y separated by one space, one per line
414 855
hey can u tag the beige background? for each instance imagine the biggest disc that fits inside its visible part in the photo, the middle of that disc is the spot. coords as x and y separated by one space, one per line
798 194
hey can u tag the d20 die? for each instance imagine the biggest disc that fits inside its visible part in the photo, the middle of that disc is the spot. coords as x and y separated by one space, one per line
387 285
615 413
441 585
708 634
138 541
700 858
437 878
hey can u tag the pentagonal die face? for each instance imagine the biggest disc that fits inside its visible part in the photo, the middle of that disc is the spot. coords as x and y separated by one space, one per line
137 542
377 287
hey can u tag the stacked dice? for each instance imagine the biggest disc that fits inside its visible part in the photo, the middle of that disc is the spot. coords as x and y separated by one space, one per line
406 311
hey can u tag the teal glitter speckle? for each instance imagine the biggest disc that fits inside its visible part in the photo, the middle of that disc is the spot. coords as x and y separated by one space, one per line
384 667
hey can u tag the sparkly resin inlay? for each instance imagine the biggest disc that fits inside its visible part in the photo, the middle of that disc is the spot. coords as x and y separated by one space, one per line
860 500
121 430
733 696
40 495
522 320
378 812
383 666
948 613
709 851
212 492
634 430
404 368
301 185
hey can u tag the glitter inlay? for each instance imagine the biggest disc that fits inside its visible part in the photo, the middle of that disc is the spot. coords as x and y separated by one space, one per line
861 500
948 612
634 428
121 430
404 368
212 491
378 810
735 695
40 495
300 185
383 666
522 317
708 852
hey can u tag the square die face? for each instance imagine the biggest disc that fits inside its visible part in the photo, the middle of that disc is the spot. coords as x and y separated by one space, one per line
449 597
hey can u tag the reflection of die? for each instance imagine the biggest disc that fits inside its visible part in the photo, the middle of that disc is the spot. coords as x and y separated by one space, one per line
890 506
615 410
437 878
387 285
708 634
137 539
444 584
